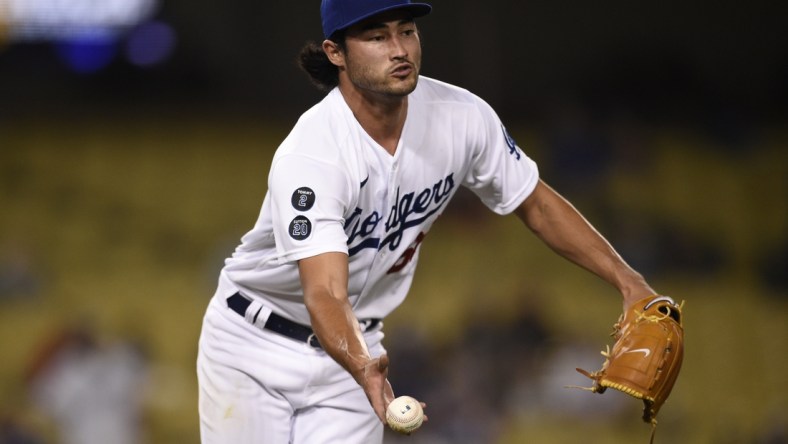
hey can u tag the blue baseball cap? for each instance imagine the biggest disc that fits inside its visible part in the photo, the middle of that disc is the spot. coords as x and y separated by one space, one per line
340 14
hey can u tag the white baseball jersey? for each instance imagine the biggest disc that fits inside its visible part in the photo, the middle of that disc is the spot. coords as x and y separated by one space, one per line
332 188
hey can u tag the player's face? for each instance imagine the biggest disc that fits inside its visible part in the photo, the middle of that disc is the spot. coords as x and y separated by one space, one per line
383 55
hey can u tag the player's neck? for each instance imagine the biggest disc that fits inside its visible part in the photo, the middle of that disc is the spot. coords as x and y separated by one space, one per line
382 117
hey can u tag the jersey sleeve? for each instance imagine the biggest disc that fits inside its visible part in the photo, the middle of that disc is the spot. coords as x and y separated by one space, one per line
501 175
308 201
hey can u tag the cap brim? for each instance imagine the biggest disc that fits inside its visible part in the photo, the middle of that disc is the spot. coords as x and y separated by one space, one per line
415 10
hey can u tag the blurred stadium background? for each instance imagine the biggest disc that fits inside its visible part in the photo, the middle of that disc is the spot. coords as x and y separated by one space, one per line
135 138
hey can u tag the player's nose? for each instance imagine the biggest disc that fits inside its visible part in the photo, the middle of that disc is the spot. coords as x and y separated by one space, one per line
398 48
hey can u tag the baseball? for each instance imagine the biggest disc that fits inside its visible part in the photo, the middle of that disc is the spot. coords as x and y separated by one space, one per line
404 415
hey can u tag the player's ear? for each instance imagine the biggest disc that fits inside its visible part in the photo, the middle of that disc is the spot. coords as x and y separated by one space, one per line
334 53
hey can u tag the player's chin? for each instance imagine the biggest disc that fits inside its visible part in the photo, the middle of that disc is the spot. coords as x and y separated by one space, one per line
403 86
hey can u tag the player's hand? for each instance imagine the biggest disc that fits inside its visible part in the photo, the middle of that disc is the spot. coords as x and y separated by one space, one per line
373 378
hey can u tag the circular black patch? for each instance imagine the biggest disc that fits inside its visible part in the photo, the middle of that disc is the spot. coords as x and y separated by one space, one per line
300 228
303 199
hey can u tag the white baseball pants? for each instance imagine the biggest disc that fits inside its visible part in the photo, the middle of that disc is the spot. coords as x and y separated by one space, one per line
259 387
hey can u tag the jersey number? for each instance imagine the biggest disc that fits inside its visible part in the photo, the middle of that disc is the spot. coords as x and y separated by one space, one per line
407 255
300 230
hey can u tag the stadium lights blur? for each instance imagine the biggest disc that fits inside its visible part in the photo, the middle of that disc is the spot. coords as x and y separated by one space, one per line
30 20
88 33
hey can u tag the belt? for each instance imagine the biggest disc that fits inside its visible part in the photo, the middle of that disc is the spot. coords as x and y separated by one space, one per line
285 327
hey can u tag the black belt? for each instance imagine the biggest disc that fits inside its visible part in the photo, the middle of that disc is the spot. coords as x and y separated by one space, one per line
239 303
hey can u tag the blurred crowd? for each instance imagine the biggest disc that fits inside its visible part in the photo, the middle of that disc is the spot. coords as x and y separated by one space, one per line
90 390
495 371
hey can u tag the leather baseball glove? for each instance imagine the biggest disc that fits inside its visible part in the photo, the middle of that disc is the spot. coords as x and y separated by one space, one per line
646 355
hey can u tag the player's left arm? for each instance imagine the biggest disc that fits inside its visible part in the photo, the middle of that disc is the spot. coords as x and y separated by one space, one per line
559 225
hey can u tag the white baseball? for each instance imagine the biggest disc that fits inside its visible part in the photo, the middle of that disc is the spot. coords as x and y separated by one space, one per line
404 414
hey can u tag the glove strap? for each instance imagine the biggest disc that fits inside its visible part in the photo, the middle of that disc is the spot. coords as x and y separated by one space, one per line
653 430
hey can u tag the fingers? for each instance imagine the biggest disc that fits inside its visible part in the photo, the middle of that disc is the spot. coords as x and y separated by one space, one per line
388 393
383 363
380 410
377 386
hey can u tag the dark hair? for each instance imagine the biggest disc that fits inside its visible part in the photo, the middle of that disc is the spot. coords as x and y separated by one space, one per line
314 61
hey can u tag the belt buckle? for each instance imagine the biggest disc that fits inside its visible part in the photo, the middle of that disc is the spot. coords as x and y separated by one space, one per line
312 341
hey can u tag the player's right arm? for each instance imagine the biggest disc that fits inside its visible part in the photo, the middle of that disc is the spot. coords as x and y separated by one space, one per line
324 279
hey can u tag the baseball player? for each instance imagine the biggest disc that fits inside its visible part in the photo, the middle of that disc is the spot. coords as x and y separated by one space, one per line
290 350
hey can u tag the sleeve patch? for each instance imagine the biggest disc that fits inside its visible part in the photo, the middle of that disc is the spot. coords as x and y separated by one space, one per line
511 143
300 228
303 198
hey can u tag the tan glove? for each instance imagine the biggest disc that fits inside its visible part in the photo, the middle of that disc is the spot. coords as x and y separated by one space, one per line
646 356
